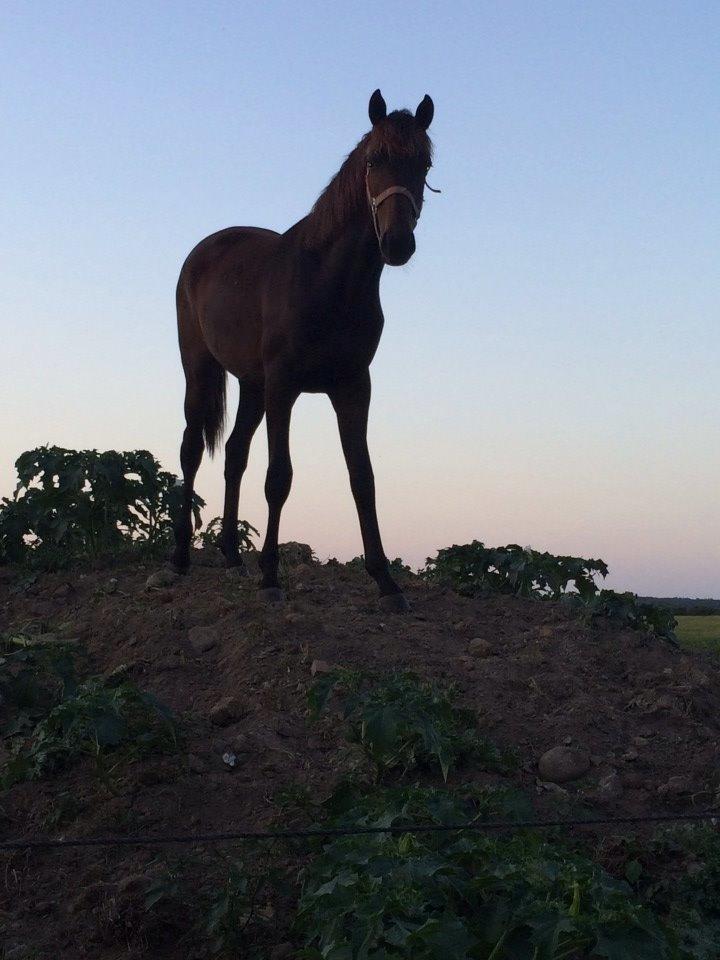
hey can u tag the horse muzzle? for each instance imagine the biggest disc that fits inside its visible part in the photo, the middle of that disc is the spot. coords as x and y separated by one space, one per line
397 246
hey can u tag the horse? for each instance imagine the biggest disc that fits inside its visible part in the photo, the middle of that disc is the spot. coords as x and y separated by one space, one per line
294 312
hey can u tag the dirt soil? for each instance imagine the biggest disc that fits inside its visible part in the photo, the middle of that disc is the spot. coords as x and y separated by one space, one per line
647 714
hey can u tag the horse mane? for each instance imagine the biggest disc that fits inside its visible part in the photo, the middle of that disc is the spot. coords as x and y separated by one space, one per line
396 137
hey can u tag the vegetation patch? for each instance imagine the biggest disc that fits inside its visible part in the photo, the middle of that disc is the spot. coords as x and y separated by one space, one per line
475 570
403 722
81 504
465 895
59 719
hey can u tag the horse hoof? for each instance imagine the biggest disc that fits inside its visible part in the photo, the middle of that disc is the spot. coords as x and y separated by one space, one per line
394 603
165 577
272 594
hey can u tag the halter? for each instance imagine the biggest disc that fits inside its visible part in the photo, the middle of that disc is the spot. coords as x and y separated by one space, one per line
382 197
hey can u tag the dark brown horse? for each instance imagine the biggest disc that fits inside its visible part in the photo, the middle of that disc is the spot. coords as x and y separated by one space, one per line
300 312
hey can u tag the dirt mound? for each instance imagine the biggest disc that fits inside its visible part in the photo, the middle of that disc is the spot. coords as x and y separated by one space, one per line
643 716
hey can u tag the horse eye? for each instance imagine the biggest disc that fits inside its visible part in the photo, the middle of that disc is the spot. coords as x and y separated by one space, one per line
369 164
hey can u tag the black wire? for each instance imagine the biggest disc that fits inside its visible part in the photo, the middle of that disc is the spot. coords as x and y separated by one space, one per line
479 827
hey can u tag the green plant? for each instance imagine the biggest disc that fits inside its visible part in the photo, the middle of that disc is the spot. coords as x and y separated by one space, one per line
96 718
624 609
34 676
398 567
401 721
210 536
430 896
474 569
682 878
71 504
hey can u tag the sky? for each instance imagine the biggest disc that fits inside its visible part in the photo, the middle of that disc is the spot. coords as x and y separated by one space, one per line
549 370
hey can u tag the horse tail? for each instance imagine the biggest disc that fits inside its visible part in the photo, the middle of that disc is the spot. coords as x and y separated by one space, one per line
214 412
204 375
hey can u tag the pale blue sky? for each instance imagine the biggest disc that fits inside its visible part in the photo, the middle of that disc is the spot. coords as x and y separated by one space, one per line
549 368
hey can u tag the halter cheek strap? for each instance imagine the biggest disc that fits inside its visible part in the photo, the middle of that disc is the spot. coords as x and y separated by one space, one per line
382 197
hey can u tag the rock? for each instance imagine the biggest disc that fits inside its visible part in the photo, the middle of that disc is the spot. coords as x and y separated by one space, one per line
52 640
227 711
674 787
281 951
562 764
630 754
609 787
165 577
546 632
133 882
196 763
320 666
202 638
480 648
633 780
553 788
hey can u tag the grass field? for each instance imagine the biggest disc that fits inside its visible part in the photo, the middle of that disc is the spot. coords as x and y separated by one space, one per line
699 633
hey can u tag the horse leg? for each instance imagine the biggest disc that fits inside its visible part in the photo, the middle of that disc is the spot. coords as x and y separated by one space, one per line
250 412
351 402
278 405
191 452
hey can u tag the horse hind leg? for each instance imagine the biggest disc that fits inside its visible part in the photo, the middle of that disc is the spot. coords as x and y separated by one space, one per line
250 412
279 404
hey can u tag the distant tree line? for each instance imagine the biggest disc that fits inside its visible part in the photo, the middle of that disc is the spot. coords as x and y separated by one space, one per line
685 606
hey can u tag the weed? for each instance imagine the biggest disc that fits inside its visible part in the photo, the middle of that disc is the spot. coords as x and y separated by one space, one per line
403 722
397 567
210 536
432 896
94 721
78 504
64 810
474 569
625 610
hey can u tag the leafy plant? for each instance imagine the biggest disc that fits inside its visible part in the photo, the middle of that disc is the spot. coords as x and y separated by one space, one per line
34 675
95 719
683 879
71 504
474 569
210 537
404 722
626 610
431 896
397 567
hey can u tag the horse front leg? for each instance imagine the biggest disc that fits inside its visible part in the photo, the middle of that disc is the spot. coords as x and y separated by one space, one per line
351 402
279 402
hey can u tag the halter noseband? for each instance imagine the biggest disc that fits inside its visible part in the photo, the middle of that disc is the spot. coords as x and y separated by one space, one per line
382 197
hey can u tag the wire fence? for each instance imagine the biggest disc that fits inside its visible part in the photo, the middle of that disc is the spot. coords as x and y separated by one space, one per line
480 826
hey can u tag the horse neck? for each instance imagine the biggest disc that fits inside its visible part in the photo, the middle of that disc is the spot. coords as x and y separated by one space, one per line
351 258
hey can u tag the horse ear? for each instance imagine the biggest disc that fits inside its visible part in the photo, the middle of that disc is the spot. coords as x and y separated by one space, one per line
424 112
377 108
